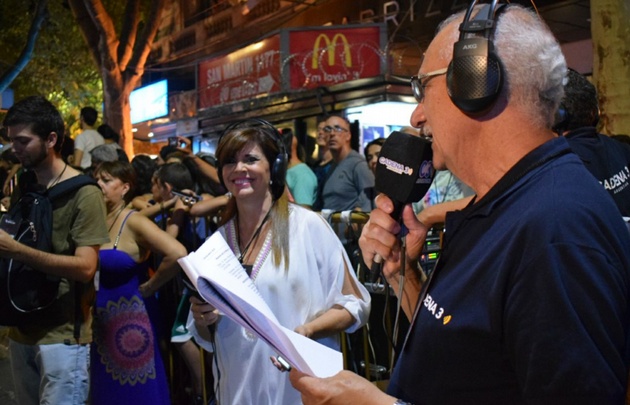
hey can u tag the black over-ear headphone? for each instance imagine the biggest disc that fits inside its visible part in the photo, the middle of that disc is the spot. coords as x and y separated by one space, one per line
278 167
475 75
561 119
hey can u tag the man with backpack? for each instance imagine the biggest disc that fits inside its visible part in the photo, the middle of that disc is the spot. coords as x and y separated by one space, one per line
49 343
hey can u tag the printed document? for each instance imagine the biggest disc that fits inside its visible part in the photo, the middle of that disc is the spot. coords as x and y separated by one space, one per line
223 282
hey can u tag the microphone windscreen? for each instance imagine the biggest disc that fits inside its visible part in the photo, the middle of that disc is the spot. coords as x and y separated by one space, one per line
404 170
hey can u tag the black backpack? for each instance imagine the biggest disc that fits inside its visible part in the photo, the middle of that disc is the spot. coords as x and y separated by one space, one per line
24 291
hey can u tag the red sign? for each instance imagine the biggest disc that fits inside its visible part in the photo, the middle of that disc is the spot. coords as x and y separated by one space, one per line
330 56
249 72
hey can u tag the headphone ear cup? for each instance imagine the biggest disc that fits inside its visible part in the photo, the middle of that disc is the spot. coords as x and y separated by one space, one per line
278 175
475 76
561 120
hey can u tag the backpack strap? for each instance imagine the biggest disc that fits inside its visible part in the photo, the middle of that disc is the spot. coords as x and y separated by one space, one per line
70 185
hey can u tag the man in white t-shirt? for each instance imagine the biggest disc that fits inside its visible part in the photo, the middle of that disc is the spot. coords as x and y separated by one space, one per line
88 139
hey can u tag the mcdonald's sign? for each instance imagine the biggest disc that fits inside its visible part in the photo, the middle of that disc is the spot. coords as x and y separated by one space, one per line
328 56
330 49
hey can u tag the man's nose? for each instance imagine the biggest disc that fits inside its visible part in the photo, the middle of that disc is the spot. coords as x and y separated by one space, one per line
417 118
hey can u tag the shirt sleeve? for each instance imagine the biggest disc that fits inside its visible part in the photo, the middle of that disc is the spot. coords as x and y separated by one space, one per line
89 227
79 142
364 179
332 275
363 176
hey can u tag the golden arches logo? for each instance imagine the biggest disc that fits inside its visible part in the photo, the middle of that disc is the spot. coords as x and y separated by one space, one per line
330 48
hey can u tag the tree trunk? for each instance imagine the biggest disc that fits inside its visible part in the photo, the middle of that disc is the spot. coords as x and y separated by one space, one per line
121 63
117 111
611 65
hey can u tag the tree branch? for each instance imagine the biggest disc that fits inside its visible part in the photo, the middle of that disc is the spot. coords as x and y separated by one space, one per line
128 33
39 16
108 40
88 29
141 52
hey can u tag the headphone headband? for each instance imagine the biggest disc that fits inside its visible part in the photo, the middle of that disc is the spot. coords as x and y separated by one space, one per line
475 75
483 21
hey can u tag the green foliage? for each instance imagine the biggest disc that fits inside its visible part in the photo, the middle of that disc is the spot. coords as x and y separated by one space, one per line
61 68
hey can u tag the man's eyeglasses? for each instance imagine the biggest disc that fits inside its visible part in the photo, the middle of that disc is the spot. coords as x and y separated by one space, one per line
335 128
417 84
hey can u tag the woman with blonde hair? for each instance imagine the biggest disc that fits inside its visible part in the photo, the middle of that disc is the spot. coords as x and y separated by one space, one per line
293 257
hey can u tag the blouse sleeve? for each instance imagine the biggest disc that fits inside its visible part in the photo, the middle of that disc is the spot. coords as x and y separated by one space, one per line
334 261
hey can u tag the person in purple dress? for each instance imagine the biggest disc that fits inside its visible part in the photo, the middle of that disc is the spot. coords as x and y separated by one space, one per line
126 366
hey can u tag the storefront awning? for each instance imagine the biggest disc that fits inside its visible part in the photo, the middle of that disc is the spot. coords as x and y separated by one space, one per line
308 103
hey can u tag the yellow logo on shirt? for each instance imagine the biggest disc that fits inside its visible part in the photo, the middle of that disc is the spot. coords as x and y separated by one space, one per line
436 310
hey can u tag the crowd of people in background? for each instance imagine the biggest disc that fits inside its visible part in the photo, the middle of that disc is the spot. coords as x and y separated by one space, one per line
156 210
262 193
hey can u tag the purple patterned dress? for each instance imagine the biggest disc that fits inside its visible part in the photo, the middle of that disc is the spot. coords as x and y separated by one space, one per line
125 366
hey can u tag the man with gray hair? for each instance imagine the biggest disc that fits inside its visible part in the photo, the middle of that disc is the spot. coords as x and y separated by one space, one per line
529 302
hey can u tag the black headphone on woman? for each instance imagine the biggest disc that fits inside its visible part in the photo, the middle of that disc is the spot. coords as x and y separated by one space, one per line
278 167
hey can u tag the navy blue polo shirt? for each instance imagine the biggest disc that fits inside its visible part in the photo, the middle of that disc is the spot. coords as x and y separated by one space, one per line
529 301
608 160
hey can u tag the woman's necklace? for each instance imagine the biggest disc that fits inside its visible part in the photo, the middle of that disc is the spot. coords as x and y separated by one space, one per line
254 236
116 218
54 183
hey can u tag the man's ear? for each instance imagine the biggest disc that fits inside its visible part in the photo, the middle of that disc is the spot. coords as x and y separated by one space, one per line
51 141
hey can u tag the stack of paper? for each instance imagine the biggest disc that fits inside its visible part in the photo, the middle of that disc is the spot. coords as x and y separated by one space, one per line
221 281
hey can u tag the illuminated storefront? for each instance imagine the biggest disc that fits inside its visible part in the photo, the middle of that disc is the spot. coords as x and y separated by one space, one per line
294 75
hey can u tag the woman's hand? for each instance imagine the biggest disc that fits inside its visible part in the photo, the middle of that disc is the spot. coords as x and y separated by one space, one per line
203 313
170 203
186 145
304 330
145 290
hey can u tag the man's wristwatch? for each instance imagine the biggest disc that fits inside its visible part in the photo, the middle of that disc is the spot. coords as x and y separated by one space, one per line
401 402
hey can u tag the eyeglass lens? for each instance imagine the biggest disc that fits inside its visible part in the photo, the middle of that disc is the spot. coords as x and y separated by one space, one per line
335 128
417 88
